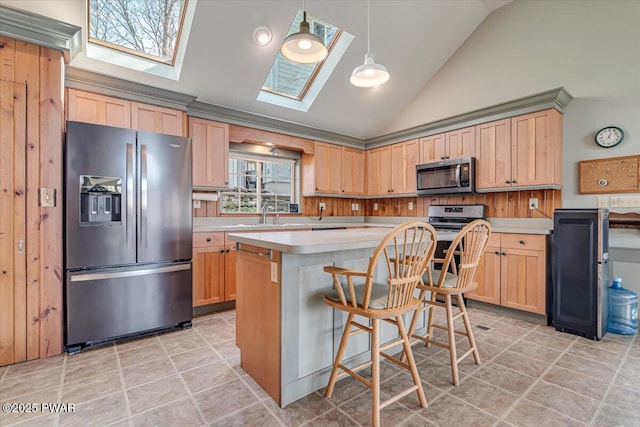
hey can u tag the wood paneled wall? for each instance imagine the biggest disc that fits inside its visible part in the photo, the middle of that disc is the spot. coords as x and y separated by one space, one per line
507 204
335 206
42 71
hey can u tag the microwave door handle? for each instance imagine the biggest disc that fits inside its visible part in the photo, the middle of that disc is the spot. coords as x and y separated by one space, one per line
458 176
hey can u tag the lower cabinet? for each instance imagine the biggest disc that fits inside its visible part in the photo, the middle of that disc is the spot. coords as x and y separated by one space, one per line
512 272
214 272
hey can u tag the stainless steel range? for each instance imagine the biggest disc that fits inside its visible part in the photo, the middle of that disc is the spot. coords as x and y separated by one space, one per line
454 217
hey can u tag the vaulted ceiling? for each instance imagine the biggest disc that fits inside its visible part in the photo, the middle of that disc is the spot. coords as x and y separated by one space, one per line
224 67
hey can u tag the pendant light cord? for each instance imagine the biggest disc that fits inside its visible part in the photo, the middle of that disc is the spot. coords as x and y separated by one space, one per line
368 27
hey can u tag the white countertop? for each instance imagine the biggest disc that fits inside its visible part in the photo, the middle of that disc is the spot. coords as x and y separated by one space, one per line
498 225
311 242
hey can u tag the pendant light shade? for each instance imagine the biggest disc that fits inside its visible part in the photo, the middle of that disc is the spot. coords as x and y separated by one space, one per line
369 74
304 47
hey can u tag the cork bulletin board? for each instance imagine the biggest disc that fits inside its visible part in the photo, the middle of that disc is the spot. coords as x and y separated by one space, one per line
612 175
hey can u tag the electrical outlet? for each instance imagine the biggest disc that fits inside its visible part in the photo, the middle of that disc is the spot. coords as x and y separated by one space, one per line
533 203
196 204
355 206
410 206
602 201
323 206
375 206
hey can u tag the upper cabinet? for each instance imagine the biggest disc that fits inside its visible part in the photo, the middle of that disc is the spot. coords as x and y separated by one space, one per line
352 171
520 152
99 109
493 154
333 169
210 147
391 170
157 119
105 110
449 145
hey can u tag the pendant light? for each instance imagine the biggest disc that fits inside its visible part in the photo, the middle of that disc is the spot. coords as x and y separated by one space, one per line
369 74
304 47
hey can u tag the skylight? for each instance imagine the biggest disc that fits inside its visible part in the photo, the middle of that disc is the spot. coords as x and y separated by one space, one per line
147 28
294 85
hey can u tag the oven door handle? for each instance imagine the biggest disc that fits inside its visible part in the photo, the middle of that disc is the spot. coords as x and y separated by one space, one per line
459 176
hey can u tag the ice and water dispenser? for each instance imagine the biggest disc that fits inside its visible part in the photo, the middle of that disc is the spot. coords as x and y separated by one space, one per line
100 200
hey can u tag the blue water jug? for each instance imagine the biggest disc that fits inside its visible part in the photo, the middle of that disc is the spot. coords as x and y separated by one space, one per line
623 309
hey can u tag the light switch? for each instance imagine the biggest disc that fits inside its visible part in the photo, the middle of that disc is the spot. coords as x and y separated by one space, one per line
375 206
410 206
47 197
196 204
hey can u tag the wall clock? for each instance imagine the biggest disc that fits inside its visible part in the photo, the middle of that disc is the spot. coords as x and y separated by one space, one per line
609 136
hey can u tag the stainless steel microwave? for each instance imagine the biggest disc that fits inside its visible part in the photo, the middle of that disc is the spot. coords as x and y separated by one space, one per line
453 176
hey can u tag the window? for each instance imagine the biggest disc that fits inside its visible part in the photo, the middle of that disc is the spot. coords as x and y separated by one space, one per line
256 181
147 28
296 86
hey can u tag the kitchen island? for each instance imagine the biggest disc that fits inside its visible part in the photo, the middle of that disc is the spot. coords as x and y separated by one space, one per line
287 336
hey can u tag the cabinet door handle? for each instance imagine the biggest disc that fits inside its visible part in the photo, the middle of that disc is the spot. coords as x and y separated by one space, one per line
497 253
507 182
21 246
504 254
222 251
513 181
228 250
316 188
208 239
521 242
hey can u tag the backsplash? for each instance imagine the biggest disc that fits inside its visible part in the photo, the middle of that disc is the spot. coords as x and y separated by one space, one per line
507 204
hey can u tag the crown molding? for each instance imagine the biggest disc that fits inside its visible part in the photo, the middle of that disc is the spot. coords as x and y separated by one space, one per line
40 30
557 98
76 78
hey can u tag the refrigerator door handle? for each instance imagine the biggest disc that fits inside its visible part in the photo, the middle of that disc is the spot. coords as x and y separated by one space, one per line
143 196
132 273
130 198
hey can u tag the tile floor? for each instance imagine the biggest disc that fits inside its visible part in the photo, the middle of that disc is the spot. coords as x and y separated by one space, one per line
530 375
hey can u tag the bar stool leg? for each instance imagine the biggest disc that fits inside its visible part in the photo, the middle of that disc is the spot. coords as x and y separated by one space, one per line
467 325
452 339
412 363
341 349
375 373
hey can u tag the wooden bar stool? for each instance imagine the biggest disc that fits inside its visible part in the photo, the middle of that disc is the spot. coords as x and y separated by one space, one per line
455 278
405 252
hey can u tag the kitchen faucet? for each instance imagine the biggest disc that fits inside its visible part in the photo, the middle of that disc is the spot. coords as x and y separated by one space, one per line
265 210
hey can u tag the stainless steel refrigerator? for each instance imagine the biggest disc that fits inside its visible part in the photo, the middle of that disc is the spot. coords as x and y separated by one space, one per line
580 263
128 232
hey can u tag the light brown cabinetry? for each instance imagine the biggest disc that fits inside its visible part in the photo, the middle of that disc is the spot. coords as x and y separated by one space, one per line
353 171
152 118
512 272
333 169
391 169
210 147
449 145
213 269
99 109
106 110
258 318
493 154
520 152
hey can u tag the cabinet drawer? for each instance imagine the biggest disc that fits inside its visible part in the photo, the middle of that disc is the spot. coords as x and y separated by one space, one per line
207 239
494 240
534 242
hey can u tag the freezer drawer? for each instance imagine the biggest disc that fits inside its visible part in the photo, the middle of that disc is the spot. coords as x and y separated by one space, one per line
106 304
